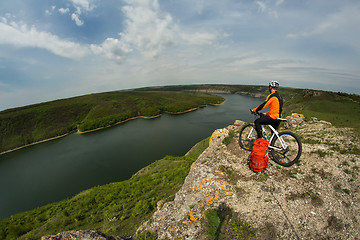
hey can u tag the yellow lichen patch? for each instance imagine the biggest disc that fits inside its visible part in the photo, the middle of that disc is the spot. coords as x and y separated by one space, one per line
190 217
216 133
198 188
228 193
214 189
224 187
210 200
238 123
203 183
201 204
216 196
225 183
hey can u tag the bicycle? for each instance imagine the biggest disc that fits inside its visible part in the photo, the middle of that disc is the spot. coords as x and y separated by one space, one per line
284 147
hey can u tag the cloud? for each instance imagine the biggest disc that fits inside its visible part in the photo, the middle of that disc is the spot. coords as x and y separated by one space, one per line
20 35
263 7
148 30
64 10
347 19
319 29
49 12
84 5
113 49
198 38
279 2
80 6
75 17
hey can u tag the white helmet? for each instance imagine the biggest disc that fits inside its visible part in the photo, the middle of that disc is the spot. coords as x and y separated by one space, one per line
274 84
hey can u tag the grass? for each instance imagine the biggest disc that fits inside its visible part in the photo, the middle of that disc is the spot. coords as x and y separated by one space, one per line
322 153
227 139
115 208
321 173
222 223
26 125
341 109
315 198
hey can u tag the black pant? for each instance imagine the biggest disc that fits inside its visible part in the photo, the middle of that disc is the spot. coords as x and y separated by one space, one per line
265 120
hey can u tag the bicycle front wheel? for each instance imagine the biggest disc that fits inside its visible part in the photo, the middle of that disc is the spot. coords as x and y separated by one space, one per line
247 137
285 150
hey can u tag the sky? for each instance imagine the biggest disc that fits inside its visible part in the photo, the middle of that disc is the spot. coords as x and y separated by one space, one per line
53 49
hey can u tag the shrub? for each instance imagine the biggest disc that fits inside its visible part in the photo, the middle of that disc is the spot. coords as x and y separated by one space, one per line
212 223
222 223
142 207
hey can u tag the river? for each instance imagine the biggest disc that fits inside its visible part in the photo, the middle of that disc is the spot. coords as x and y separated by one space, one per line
61 168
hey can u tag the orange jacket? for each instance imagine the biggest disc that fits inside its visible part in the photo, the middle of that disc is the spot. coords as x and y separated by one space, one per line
275 103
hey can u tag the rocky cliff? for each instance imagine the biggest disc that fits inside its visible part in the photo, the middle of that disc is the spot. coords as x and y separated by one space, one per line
315 199
222 199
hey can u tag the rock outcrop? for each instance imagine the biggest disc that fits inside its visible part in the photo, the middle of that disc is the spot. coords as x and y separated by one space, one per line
295 120
315 199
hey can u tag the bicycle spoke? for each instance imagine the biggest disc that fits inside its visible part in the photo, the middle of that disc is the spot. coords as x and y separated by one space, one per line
247 137
289 154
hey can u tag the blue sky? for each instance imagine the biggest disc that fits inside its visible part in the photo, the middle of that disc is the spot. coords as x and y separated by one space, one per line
51 49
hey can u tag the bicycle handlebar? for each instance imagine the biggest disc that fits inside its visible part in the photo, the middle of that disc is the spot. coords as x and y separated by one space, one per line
255 113
260 114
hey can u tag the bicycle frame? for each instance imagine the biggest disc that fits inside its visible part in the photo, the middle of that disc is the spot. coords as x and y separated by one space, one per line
275 134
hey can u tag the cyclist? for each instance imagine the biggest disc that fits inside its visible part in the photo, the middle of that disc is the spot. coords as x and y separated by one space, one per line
275 103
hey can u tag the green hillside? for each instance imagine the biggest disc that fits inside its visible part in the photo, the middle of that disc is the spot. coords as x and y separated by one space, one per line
341 109
29 124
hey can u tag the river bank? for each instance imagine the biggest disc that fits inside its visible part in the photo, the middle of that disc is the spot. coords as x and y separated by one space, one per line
151 117
35 123
101 128
143 117
35 143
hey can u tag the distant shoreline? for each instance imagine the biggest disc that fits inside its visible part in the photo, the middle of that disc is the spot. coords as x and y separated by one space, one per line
93 130
34 143
150 117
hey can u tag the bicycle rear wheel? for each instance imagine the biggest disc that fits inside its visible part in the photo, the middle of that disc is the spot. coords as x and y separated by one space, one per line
247 137
291 154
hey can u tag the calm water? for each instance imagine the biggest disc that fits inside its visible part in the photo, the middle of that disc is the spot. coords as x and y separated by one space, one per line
61 168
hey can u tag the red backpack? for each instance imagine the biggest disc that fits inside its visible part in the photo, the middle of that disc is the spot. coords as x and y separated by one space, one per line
259 155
